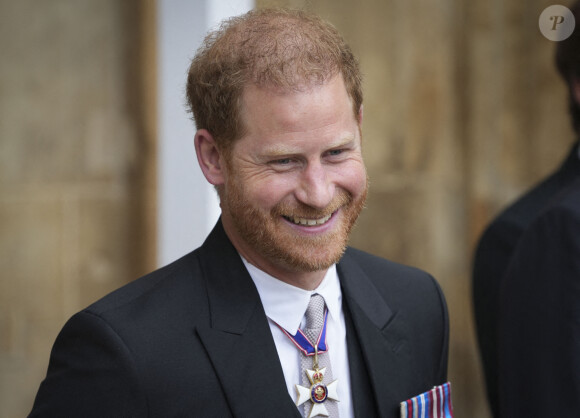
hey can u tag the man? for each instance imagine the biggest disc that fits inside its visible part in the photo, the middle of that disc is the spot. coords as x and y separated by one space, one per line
277 100
496 247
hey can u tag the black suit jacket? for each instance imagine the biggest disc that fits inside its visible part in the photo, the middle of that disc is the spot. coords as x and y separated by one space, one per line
539 327
492 257
192 339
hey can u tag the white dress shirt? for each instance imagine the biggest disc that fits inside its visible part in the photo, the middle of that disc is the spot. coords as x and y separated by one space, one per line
285 305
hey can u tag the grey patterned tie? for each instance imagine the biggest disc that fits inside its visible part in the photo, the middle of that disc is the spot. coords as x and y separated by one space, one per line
314 322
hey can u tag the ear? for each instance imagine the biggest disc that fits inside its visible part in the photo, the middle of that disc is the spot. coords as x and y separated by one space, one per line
209 158
576 90
360 115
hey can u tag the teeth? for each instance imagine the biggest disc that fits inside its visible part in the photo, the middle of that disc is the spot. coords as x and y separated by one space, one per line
310 222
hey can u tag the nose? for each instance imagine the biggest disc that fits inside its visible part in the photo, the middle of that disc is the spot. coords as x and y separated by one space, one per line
315 188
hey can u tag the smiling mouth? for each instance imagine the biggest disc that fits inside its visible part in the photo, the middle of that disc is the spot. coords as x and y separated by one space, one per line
308 221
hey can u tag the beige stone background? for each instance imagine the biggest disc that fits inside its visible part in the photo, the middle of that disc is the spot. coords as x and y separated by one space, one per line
463 112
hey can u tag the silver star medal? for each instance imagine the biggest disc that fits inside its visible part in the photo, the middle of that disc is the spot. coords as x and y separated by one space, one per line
318 392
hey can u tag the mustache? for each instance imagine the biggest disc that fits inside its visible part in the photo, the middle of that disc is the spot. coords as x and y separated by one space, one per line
301 210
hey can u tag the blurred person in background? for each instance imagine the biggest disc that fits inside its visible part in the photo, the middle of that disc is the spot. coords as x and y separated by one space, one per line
495 252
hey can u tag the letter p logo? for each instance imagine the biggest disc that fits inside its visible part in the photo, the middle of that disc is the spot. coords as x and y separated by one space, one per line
556 23
557 20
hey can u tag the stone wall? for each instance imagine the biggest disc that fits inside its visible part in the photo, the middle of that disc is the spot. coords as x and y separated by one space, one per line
75 172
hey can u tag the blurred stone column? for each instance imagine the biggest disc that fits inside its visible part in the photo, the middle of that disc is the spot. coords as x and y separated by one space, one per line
518 128
76 170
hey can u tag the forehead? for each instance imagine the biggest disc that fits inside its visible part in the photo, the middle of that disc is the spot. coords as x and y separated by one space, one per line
270 111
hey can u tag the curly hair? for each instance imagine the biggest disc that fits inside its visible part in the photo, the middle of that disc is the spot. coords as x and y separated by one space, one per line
274 48
568 63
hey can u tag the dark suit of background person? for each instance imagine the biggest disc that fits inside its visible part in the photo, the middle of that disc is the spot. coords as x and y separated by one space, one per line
192 339
497 244
493 255
539 327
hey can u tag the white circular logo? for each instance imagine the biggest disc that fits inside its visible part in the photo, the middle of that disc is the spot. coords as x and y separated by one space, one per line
557 23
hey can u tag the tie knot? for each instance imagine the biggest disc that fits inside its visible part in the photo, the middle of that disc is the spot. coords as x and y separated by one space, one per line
315 313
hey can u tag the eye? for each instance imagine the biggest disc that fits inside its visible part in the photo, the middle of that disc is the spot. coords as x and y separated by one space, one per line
282 164
335 152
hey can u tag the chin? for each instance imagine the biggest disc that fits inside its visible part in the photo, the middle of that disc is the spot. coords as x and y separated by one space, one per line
309 259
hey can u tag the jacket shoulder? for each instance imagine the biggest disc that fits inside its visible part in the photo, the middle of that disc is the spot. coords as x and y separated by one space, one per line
401 286
382 270
178 281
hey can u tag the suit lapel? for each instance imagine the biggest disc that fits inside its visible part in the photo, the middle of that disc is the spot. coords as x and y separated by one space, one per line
381 348
238 339
363 399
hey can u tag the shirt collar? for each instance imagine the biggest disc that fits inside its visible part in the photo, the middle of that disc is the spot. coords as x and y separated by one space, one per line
286 304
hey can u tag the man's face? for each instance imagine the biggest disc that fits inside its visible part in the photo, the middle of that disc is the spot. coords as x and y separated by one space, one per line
296 182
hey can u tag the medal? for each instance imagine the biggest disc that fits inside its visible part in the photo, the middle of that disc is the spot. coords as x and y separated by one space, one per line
318 392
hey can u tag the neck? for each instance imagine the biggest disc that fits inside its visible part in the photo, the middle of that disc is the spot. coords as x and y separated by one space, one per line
309 280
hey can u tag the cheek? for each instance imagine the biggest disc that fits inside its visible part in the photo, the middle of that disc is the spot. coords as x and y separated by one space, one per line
353 179
269 192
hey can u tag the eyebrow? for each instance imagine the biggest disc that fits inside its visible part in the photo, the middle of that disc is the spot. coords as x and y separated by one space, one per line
279 150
